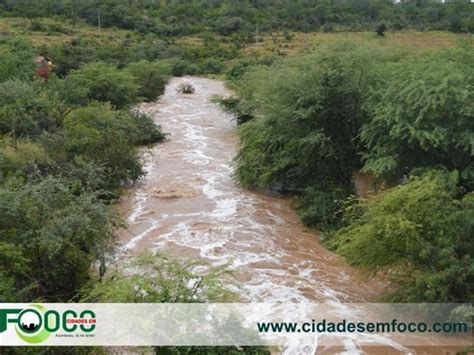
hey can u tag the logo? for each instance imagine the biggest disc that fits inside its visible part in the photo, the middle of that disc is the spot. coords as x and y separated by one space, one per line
35 324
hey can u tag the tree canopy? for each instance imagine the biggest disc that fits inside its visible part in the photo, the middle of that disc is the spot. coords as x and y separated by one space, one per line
50 238
311 122
172 18
422 115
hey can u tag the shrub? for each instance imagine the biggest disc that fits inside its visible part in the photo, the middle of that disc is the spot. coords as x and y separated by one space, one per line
100 135
22 156
101 82
185 88
164 279
421 234
71 55
238 70
309 111
151 77
81 173
380 29
18 61
142 129
212 66
236 107
51 238
182 67
15 117
322 207
421 115
228 25
328 27
288 35
37 26
23 111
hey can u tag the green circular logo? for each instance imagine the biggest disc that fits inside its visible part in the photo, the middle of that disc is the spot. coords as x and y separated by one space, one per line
30 321
30 325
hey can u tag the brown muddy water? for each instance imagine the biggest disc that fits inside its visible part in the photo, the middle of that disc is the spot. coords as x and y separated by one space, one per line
190 206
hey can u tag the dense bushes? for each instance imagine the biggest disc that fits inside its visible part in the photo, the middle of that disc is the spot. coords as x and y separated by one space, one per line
162 279
105 138
151 77
310 110
422 116
322 205
104 82
17 61
166 280
226 17
212 66
422 232
101 82
141 128
236 107
21 156
228 25
99 135
50 237
157 58
312 122
182 67
25 110
65 148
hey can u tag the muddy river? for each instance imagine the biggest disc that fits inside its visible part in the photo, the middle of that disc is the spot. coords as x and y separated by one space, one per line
190 206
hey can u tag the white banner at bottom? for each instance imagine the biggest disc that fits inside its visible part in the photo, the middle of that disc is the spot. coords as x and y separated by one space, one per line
243 324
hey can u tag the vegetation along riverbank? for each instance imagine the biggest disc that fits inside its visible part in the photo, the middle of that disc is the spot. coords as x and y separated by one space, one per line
323 89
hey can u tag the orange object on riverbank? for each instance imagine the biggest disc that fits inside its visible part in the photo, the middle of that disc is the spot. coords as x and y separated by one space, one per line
44 65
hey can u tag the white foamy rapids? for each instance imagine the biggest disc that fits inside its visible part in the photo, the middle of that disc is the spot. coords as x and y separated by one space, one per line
225 224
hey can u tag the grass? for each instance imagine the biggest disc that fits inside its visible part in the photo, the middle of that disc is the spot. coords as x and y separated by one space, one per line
416 40
410 41
21 28
57 32
270 44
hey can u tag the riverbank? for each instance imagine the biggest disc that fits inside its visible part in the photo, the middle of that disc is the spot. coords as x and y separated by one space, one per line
190 205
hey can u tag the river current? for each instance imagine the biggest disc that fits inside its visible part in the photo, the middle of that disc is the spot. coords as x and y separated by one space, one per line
190 206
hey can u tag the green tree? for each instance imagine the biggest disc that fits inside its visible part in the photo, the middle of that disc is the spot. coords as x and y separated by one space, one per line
24 111
151 77
420 233
422 114
50 238
101 82
310 111
227 25
380 29
162 279
165 279
22 156
17 61
98 134
14 268
141 128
